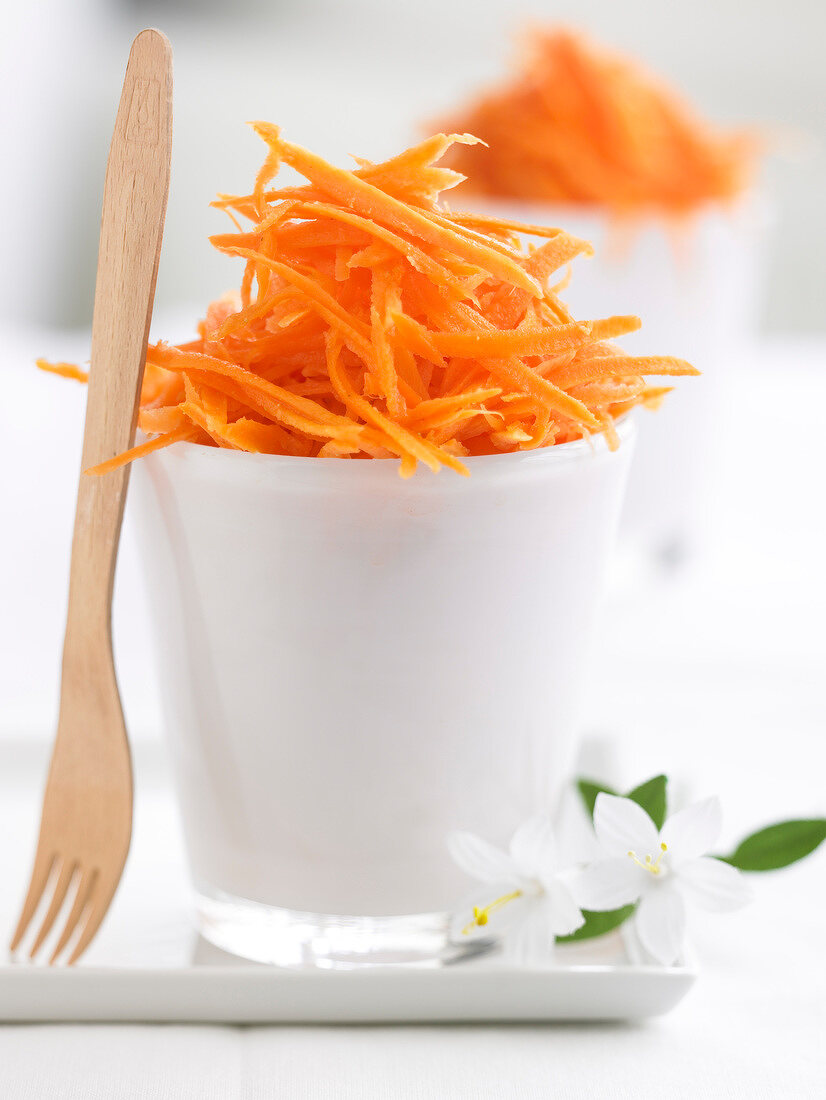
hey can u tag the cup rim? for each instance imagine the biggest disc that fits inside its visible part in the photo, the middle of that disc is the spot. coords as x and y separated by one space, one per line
538 458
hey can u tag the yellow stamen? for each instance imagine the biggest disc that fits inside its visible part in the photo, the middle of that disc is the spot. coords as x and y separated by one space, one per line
480 916
650 864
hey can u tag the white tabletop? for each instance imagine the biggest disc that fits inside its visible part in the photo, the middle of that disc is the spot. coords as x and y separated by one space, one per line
715 677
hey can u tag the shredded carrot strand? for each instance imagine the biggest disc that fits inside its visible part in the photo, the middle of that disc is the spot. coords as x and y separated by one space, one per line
63 370
142 449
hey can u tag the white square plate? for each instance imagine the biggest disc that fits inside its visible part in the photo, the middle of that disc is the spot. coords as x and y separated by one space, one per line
148 964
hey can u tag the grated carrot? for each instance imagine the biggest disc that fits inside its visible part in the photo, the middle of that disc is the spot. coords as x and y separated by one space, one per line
373 322
577 123
63 370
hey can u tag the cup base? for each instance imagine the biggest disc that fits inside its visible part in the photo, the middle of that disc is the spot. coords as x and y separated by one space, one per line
288 938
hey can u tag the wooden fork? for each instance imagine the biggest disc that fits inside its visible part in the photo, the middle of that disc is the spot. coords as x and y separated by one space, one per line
86 825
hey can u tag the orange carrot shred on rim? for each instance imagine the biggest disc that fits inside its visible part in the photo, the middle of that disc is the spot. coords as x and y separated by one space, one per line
373 323
142 449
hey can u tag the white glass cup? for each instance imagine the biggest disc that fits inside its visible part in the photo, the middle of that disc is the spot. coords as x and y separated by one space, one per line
353 665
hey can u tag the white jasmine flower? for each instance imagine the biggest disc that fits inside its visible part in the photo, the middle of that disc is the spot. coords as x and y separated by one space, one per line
663 870
525 892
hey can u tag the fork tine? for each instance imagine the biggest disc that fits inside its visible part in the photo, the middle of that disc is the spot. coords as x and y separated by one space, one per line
64 879
83 896
44 862
97 911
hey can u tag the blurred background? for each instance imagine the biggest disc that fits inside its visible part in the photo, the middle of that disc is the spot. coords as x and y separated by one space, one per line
359 77
736 645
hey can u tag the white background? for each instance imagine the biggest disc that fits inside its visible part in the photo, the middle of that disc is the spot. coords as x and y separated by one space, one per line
715 675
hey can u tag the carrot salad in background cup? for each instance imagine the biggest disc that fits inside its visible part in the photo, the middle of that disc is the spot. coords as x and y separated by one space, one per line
581 136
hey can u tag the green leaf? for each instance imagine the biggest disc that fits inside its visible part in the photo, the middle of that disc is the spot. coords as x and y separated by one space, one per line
589 792
778 845
597 924
652 797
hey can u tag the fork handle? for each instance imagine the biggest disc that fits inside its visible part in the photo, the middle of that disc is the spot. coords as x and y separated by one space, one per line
134 205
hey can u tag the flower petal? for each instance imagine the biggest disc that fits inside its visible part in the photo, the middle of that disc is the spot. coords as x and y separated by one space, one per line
622 826
660 923
562 914
693 831
610 883
498 917
533 847
576 838
531 941
479 859
712 884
